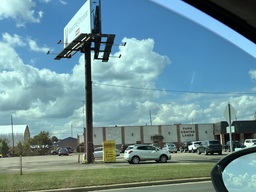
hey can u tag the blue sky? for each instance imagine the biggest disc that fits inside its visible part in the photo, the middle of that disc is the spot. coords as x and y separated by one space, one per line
178 63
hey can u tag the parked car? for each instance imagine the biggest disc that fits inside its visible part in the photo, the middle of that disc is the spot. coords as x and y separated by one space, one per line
236 144
171 147
194 145
98 152
70 149
249 142
55 151
184 146
129 147
63 151
123 148
210 146
156 145
146 152
1 155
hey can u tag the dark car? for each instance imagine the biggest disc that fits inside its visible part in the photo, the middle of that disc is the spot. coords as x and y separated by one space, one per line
63 151
236 144
210 146
70 149
184 146
55 151
123 148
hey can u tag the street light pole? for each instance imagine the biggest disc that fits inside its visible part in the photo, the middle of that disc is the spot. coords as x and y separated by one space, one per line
83 113
12 136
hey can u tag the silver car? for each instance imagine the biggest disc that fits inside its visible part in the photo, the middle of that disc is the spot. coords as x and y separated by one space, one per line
98 152
141 152
171 147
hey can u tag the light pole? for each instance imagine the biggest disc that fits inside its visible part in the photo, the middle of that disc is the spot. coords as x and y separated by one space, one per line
12 136
83 115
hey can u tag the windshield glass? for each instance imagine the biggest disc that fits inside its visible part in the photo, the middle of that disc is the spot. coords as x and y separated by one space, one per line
214 142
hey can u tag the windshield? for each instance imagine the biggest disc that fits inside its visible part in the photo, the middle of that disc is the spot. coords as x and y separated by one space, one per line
214 142
161 71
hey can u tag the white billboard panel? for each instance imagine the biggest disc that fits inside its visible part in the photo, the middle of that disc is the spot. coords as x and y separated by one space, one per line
80 23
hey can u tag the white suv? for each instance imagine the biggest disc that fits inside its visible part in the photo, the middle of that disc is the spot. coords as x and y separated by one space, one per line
146 152
193 147
249 142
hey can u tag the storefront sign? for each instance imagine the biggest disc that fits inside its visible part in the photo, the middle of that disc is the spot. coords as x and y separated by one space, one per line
187 132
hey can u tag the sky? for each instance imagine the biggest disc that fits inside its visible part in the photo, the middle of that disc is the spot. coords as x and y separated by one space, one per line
179 65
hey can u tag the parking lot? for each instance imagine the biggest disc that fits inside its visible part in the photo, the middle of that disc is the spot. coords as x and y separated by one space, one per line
73 162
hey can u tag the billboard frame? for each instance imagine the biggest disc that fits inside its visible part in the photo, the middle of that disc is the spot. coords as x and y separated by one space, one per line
80 23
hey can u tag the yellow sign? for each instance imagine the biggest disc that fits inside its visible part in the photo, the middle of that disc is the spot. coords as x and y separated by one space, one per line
109 151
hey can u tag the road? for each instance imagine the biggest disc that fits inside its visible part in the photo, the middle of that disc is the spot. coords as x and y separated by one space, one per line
182 187
55 162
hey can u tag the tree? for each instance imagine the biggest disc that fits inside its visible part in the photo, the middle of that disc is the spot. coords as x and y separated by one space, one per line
54 139
19 149
42 139
41 143
4 148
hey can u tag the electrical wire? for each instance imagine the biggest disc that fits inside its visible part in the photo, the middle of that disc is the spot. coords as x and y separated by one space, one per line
174 91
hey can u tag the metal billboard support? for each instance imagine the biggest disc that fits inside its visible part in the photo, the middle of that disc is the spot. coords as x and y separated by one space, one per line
102 45
86 49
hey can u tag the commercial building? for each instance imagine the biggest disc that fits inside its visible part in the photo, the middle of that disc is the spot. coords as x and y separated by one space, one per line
241 130
159 134
176 133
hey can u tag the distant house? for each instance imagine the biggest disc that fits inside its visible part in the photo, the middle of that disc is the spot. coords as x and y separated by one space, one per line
19 133
68 142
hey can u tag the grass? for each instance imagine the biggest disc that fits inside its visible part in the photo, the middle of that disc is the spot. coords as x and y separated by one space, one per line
94 177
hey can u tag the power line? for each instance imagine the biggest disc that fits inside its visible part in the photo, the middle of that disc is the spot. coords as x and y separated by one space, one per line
174 91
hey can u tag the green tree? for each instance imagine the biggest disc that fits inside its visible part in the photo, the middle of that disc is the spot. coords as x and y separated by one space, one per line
54 139
26 148
42 139
4 148
41 143
19 149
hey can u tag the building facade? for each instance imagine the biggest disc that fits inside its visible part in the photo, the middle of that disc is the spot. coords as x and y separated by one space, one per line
159 134
242 130
176 133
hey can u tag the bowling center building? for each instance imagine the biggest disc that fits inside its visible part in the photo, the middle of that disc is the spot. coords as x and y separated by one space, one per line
176 133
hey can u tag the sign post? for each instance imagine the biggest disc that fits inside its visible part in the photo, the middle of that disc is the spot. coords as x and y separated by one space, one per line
230 115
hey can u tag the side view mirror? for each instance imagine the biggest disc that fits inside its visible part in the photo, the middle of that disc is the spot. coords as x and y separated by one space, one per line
236 172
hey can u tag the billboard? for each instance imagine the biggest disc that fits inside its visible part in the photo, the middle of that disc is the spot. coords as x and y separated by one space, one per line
80 23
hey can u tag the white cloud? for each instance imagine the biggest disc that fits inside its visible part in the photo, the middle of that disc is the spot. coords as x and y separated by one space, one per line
9 59
252 74
63 2
46 1
17 40
14 40
22 11
34 47
123 92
